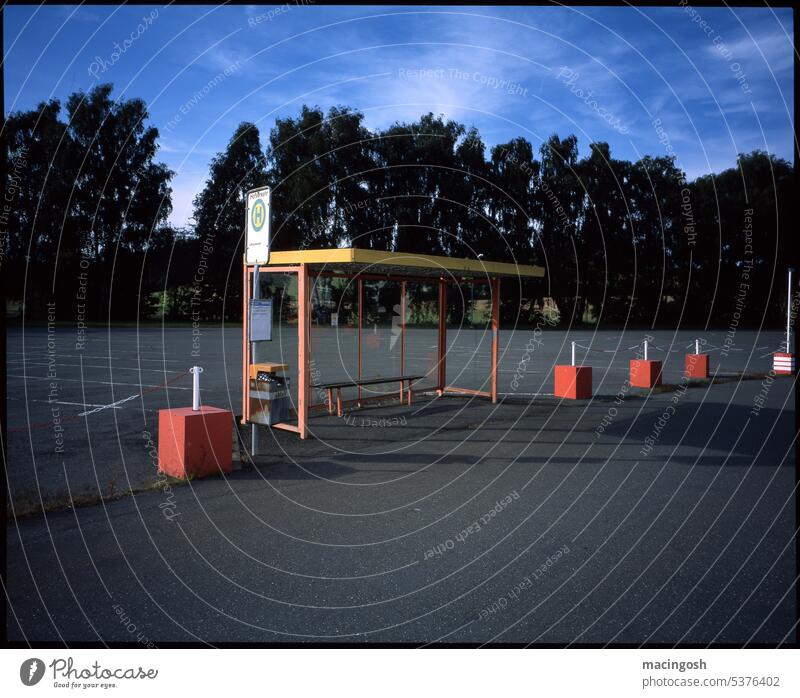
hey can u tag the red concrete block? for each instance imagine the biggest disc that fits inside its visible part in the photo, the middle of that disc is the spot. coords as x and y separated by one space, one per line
573 382
782 364
195 444
645 374
697 365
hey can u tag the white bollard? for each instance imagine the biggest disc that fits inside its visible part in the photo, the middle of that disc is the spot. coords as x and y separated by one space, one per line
645 350
196 371
573 353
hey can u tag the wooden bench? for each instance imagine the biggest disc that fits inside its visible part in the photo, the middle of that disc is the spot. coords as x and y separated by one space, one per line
337 386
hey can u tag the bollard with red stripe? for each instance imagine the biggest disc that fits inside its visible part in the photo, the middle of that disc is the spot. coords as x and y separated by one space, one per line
782 363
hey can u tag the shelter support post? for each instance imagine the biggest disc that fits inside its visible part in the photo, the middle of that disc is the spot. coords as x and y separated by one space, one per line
402 327
360 323
302 352
442 335
245 344
403 337
495 334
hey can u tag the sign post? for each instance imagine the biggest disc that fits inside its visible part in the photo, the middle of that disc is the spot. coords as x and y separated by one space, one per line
256 252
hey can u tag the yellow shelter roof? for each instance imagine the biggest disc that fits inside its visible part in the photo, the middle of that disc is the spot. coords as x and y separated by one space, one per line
353 261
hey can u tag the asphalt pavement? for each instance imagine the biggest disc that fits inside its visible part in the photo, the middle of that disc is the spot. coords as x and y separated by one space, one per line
628 518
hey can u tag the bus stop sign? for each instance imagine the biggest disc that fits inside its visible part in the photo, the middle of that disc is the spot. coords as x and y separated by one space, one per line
257 237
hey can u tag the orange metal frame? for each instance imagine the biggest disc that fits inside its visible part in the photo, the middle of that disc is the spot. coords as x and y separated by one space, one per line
495 334
360 325
304 340
495 325
303 290
442 336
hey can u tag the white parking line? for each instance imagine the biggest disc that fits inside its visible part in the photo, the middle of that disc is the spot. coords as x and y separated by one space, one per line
113 405
56 402
113 368
132 357
78 380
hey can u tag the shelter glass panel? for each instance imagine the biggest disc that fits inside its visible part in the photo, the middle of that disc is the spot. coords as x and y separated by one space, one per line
282 289
334 333
422 333
469 335
381 335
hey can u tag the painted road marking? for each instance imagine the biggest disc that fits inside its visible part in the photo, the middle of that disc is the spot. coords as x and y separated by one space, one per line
113 405
132 357
86 380
113 368
56 402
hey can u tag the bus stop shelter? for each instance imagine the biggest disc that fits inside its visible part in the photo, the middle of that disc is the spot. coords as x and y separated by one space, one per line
362 325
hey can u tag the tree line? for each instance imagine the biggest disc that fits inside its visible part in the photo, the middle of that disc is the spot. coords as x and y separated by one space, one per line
87 202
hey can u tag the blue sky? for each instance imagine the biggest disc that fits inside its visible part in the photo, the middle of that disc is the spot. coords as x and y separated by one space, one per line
700 83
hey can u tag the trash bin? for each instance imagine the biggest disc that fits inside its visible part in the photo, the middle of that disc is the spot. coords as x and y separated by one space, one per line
269 399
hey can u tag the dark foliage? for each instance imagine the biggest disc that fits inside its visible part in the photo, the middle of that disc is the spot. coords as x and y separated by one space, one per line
621 241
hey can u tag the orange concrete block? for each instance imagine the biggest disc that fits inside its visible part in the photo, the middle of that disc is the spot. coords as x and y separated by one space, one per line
195 444
573 382
697 365
645 374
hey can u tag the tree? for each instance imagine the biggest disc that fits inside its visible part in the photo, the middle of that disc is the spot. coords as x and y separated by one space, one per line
632 241
349 168
512 203
469 187
301 192
560 197
90 198
37 176
654 199
741 218
415 163
120 194
606 244
219 223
